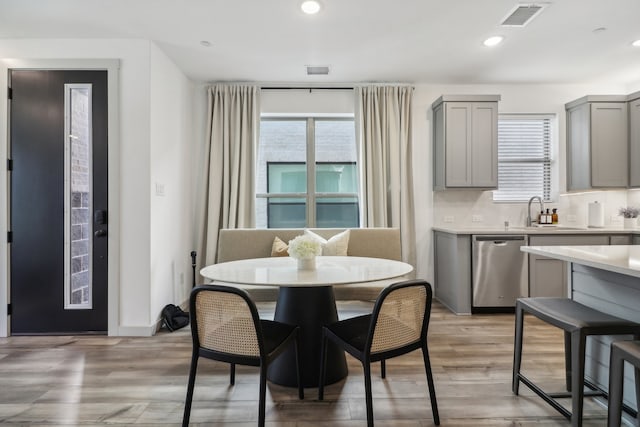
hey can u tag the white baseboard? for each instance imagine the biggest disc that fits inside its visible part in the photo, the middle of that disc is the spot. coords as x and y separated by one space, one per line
137 331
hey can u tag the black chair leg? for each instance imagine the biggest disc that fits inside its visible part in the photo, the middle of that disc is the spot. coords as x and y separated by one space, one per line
190 386
323 364
432 388
232 374
517 350
616 378
299 366
367 392
578 344
383 369
263 393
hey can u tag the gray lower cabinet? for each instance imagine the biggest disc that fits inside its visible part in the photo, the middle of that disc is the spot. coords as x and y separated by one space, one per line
597 143
452 271
548 277
621 239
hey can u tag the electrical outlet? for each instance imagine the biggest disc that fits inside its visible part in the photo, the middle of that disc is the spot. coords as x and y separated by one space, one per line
615 219
571 218
477 218
448 218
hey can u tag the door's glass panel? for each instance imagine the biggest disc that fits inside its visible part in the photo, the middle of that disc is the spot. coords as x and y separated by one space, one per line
336 170
78 196
287 212
281 142
286 177
337 212
336 178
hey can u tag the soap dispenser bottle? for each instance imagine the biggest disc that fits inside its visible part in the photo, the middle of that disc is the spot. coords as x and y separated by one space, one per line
554 216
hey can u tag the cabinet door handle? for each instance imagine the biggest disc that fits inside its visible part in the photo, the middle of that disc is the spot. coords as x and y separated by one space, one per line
499 243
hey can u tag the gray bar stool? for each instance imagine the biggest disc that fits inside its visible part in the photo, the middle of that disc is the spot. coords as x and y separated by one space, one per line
578 322
622 351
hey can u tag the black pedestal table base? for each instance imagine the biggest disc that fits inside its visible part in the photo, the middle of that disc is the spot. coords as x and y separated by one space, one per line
310 308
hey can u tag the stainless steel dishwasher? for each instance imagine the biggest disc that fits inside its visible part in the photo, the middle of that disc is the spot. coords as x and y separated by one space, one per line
500 271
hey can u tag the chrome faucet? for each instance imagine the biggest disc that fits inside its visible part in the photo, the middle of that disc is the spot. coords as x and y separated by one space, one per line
529 221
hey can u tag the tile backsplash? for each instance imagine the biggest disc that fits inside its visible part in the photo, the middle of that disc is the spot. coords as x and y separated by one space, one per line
469 208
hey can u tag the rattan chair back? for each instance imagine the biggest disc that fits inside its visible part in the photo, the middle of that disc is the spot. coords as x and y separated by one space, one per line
400 317
226 322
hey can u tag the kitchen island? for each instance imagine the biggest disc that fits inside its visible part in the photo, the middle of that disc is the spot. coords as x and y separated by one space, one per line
606 278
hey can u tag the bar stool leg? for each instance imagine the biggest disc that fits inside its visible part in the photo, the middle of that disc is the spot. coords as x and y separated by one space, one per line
517 349
578 344
567 359
616 378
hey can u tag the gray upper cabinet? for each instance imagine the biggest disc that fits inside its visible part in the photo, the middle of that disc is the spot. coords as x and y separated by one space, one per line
465 141
634 140
597 143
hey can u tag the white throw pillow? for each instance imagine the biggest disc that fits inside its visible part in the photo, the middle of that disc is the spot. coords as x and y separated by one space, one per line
337 245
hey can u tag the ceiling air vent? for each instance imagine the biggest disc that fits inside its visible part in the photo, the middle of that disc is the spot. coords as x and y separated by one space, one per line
522 15
314 70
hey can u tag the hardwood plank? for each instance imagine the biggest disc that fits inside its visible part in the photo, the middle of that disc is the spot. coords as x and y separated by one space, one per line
100 381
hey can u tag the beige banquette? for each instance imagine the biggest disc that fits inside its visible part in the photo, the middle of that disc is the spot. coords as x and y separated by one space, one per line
243 243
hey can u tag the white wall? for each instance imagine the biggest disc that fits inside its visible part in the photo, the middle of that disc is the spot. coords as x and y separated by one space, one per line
171 208
140 64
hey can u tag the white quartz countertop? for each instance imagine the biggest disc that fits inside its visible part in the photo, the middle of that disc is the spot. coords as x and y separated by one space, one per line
623 259
560 229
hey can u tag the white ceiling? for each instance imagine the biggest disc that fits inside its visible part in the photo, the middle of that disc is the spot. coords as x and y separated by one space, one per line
427 41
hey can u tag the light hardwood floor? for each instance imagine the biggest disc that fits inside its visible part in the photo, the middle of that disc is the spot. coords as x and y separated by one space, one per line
100 381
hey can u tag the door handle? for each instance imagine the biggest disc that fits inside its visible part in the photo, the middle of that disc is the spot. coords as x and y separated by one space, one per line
100 233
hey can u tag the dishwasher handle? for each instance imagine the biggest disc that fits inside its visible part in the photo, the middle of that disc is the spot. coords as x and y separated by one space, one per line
499 239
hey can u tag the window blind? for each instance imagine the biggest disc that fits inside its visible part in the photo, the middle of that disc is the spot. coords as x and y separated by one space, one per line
524 157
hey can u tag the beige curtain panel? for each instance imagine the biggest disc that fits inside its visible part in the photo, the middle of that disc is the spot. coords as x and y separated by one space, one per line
232 131
384 116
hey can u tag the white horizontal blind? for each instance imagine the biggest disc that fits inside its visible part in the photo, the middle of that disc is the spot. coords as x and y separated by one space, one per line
524 157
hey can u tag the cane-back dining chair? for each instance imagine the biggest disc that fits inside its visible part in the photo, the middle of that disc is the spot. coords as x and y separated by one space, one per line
397 325
225 326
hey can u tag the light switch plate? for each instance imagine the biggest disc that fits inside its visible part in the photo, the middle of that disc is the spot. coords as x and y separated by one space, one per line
159 189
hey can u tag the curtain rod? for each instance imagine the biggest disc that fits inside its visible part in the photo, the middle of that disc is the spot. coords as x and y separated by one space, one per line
306 88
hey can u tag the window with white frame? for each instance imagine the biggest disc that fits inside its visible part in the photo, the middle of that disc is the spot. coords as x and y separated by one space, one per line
524 157
307 174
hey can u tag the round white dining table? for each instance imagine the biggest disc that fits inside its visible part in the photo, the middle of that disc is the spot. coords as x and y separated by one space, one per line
306 299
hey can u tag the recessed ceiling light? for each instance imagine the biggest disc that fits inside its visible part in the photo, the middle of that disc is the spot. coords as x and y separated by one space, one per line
310 7
205 43
492 41
636 43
